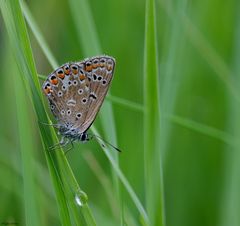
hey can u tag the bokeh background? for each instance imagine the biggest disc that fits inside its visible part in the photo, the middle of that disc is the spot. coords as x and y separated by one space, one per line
198 59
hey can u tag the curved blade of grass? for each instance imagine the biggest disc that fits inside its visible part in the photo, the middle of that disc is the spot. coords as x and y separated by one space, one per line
123 179
38 35
64 182
31 201
21 49
152 158
91 46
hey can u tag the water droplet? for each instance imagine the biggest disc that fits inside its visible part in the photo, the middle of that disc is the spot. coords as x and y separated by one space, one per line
81 198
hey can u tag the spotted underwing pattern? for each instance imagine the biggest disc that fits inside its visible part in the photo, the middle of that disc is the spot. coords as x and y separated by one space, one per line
75 92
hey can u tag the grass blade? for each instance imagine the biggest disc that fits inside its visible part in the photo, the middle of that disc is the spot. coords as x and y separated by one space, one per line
91 46
124 180
63 179
201 44
21 48
153 174
38 35
86 31
31 203
229 212
204 129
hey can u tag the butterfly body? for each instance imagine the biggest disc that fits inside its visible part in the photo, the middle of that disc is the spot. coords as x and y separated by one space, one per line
76 91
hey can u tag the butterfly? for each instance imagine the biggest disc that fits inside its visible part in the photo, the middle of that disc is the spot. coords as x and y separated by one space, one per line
75 92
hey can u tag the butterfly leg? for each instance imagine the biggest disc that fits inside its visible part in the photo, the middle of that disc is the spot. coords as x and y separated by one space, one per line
70 148
62 143
50 124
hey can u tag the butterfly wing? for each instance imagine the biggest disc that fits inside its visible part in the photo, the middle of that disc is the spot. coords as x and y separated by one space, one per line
100 71
66 88
76 91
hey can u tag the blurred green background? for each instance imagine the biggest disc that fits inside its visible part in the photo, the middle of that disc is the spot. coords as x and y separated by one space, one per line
198 58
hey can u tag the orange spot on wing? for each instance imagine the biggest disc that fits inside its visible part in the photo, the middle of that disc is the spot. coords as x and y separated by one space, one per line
75 71
67 71
54 81
61 75
82 77
48 90
88 68
95 66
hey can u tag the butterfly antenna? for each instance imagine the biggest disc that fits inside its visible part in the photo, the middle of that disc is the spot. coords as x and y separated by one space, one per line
98 137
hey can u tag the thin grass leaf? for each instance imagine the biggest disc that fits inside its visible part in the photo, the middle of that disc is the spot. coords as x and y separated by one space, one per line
31 201
152 158
124 181
91 46
204 129
103 179
125 103
64 182
229 211
204 47
89 38
171 77
19 40
38 35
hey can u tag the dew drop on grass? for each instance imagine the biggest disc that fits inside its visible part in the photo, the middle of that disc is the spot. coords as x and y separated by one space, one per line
81 198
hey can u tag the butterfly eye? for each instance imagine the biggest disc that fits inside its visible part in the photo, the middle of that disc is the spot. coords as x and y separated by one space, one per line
63 88
69 112
62 112
99 78
60 74
84 137
52 107
104 82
